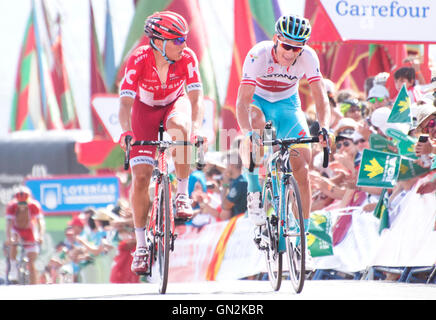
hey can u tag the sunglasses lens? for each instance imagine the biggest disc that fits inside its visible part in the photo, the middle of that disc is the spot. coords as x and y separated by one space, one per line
179 41
288 47
431 123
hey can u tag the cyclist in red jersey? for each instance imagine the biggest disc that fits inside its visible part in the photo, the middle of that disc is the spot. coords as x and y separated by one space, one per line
153 90
25 222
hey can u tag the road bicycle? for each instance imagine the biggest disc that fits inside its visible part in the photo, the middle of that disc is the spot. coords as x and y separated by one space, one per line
22 263
284 230
161 225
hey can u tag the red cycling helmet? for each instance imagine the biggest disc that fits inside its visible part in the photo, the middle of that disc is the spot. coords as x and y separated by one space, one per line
22 194
165 25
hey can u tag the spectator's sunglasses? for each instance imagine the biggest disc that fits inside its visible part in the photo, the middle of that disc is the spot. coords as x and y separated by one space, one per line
288 47
346 143
430 125
179 41
379 99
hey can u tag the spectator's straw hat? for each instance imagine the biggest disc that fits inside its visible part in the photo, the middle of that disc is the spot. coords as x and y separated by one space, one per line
345 124
423 112
104 214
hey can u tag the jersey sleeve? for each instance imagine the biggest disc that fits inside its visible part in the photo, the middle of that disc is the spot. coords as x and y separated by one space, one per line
35 209
311 66
129 84
253 63
193 79
11 209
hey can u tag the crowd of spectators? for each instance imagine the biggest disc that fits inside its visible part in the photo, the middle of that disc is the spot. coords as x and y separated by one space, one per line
89 235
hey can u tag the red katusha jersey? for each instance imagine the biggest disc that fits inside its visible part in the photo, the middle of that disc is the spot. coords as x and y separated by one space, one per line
35 212
141 78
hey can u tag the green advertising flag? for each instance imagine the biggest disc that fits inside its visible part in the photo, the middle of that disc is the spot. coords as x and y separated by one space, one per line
410 169
380 143
378 169
405 143
319 239
381 210
401 110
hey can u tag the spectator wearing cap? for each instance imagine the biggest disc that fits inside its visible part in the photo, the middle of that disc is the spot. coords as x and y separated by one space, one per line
378 97
351 109
77 225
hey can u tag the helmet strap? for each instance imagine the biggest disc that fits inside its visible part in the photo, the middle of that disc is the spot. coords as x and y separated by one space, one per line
162 52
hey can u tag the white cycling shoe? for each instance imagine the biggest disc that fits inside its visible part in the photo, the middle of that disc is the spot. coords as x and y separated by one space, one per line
254 208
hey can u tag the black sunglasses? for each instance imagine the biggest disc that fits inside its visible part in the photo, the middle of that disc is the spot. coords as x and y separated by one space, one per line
346 143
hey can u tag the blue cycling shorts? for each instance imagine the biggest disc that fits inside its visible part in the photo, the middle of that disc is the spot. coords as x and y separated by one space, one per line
286 115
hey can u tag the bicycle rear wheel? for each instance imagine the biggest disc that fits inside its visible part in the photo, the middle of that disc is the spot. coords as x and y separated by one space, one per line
163 234
273 257
295 235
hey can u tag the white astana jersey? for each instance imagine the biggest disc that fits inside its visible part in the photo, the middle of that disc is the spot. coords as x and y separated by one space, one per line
274 82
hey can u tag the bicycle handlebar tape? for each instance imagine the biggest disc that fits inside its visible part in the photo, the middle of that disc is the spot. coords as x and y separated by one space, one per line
326 150
127 139
200 163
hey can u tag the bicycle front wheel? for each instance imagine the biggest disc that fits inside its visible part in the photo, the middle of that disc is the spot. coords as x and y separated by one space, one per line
295 235
270 234
163 234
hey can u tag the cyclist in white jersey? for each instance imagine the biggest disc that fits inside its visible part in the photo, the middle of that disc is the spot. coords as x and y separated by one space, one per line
269 91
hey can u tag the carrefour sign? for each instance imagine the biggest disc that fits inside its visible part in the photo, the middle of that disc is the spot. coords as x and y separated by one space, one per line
66 194
383 20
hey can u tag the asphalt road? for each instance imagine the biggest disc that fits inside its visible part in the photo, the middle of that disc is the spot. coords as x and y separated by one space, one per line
231 290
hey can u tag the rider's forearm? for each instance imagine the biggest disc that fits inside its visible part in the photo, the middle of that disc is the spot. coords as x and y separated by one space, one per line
321 103
124 116
197 114
245 96
323 111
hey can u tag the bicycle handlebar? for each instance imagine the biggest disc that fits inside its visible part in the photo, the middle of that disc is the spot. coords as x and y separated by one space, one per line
166 144
291 141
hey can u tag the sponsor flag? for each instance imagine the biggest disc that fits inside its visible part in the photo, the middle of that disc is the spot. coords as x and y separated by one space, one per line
378 169
244 39
26 111
34 105
381 210
319 239
404 142
401 110
409 169
264 16
97 84
109 52
379 143
62 89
